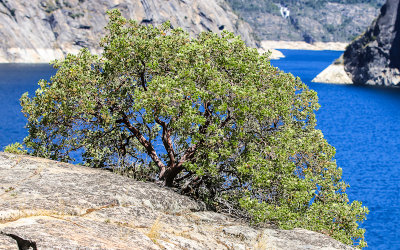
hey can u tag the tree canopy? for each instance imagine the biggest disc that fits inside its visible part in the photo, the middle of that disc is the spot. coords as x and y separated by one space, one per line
206 115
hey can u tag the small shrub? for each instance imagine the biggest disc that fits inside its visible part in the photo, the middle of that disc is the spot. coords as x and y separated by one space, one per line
15 148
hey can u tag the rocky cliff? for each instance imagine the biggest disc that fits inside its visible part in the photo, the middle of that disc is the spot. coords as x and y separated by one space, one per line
374 58
307 20
42 30
51 205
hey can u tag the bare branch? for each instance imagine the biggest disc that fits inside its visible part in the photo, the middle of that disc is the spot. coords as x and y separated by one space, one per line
143 76
169 173
145 143
167 141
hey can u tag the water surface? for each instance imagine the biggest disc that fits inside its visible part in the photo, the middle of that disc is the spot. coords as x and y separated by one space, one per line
15 79
362 124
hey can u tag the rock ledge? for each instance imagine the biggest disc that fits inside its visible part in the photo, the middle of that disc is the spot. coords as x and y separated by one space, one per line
53 205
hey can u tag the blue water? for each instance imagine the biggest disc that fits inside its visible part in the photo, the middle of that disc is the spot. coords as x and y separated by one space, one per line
15 79
360 122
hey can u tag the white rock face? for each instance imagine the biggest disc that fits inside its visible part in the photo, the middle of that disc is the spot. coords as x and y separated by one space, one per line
42 30
301 45
274 54
334 73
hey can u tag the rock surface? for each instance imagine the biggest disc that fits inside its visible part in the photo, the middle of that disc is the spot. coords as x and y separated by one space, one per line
274 54
374 58
301 45
334 73
308 20
55 205
42 30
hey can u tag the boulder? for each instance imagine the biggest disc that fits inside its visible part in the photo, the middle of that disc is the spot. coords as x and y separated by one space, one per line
374 57
52 205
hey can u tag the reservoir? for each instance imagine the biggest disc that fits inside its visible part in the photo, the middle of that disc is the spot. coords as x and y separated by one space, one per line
362 123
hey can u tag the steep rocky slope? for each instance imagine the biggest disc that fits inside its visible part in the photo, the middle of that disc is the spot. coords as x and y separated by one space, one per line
41 30
53 205
374 58
307 20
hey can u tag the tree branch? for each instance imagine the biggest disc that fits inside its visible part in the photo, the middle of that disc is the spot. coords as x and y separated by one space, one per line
143 76
189 154
167 141
145 143
207 115
227 119
168 174
189 174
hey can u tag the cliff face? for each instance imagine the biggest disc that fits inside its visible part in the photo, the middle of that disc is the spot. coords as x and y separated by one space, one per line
53 205
42 30
374 58
307 20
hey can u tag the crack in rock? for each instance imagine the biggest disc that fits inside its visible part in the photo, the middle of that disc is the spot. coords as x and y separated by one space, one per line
22 243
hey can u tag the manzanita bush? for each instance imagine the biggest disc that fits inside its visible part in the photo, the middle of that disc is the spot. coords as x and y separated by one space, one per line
206 115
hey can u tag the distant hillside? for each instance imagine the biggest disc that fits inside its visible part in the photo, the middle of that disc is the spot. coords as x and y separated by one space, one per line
42 30
307 20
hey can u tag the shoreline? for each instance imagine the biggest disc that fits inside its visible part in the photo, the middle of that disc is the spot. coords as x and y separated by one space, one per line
275 54
333 74
46 55
301 45
38 55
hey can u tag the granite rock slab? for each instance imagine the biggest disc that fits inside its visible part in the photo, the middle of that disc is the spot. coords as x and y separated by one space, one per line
54 205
